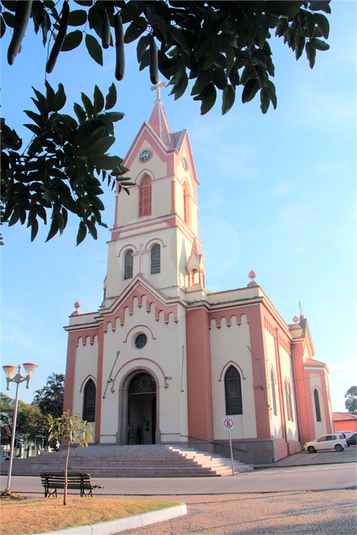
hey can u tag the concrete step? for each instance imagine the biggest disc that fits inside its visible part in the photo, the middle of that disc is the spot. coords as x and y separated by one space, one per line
130 461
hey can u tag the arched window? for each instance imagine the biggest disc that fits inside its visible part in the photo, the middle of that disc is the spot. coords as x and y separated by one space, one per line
186 198
89 394
289 401
145 197
233 391
273 393
317 405
128 265
155 259
290 397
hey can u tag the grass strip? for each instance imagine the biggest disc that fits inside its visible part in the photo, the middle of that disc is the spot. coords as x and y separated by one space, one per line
42 515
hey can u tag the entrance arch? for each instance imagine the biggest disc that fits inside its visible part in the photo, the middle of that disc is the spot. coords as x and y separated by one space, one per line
138 408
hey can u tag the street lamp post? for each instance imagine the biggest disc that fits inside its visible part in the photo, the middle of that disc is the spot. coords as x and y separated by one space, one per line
18 378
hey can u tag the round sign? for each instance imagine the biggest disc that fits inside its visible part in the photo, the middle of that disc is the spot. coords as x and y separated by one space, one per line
228 423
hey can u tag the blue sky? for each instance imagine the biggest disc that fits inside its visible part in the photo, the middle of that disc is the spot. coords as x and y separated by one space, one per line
277 195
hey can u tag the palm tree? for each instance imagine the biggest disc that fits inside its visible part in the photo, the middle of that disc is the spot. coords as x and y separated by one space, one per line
50 398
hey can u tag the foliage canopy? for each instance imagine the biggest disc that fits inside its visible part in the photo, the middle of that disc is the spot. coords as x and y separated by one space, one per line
49 399
220 47
351 400
30 420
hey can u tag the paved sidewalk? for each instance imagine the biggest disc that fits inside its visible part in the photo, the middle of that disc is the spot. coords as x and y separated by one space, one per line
303 458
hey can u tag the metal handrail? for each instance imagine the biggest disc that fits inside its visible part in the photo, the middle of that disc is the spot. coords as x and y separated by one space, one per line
206 440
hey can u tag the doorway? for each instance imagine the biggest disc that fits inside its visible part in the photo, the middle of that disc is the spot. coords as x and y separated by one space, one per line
142 409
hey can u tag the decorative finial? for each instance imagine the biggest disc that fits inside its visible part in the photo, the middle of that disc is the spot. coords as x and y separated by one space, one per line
301 316
295 319
77 306
252 276
158 87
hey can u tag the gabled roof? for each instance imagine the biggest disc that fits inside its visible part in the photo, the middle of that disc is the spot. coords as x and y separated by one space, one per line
343 416
195 260
160 125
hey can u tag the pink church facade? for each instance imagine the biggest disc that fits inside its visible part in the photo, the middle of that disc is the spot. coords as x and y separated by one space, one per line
164 360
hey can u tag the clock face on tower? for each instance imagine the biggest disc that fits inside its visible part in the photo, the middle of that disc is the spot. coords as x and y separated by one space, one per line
145 155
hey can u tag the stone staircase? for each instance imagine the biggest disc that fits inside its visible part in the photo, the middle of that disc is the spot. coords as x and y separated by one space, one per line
129 461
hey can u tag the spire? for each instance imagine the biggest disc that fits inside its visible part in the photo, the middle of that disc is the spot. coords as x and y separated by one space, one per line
158 121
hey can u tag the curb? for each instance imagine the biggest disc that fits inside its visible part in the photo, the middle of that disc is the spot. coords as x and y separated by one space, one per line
132 522
295 465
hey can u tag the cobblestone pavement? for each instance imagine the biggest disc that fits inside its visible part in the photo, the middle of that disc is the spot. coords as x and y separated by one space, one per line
322 513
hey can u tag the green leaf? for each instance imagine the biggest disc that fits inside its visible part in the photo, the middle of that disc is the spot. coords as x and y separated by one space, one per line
35 129
209 102
53 229
142 45
94 49
88 105
2 26
77 17
101 146
115 116
41 102
270 89
247 74
59 99
86 3
214 53
310 23
182 87
202 81
107 162
35 117
250 90
228 99
218 78
98 100
79 111
311 53
178 37
319 45
9 19
261 74
323 5
93 231
299 45
111 98
264 100
230 57
82 232
50 96
288 8
72 40
136 28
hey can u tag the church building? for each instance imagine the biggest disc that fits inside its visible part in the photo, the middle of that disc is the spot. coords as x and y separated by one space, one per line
164 360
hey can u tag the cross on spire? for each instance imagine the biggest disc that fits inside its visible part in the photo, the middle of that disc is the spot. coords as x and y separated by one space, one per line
158 87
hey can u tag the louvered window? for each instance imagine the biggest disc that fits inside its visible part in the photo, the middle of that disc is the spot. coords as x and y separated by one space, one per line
145 197
89 395
273 393
186 214
317 405
233 391
290 398
289 401
128 265
155 259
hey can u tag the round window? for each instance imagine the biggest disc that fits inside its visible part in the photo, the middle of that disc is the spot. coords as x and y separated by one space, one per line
140 341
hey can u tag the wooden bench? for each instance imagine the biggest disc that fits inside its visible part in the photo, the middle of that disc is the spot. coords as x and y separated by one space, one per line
55 480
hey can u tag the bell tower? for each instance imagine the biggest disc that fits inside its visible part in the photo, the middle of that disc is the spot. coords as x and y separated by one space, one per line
155 233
